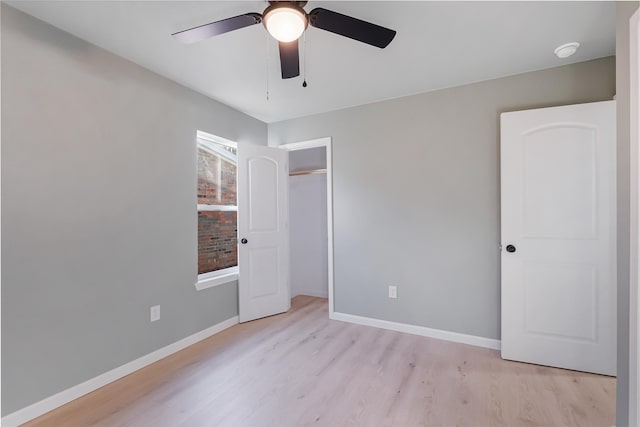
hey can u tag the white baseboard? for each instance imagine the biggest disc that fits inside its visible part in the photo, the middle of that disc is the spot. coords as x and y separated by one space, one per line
50 403
419 330
311 293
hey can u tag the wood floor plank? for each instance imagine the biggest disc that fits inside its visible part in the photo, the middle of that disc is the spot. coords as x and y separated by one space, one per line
302 369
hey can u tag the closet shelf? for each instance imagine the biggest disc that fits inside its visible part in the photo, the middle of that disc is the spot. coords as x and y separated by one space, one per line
307 172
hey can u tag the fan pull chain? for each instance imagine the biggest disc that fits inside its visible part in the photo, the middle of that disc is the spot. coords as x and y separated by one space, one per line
267 62
304 59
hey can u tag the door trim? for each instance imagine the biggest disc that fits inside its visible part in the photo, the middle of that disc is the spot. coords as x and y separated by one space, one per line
327 144
634 282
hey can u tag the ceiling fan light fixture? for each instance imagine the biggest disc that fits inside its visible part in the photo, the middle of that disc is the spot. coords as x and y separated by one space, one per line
285 23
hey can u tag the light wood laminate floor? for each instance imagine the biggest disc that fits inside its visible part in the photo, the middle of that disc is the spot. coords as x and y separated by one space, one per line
299 369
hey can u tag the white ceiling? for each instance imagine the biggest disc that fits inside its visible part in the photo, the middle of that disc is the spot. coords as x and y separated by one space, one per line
439 44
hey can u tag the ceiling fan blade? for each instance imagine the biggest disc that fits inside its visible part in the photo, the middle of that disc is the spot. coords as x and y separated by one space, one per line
289 59
353 28
205 31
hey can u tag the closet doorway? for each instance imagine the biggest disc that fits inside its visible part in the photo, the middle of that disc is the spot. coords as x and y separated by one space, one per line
311 219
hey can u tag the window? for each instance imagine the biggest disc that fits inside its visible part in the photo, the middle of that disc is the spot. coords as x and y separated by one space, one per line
217 211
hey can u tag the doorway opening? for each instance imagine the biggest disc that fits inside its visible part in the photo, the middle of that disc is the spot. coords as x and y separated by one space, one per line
311 219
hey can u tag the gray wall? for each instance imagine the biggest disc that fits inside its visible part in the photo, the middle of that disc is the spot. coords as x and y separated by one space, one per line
624 10
308 159
98 210
416 194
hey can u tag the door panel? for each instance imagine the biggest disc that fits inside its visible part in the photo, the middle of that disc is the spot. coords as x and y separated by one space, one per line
263 273
263 206
559 188
263 254
566 283
558 211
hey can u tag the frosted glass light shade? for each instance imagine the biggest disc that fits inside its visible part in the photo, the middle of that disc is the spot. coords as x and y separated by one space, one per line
285 24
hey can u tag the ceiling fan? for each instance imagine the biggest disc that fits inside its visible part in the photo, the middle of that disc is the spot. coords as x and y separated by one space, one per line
286 21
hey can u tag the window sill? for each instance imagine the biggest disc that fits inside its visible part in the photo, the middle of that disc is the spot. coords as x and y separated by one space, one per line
217 278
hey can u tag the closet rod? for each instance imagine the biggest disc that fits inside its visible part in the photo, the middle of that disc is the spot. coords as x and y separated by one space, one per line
309 172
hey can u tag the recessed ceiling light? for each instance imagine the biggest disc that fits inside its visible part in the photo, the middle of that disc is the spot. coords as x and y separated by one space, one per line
566 50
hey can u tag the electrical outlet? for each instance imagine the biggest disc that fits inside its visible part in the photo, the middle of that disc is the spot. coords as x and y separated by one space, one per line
155 313
393 292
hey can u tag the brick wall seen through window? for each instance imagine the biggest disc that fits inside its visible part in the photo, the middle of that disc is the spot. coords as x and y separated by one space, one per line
217 211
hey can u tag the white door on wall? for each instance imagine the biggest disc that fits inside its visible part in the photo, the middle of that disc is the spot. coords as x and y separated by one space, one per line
263 237
558 192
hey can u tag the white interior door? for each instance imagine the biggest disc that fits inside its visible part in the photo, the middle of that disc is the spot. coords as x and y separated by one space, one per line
559 236
263 252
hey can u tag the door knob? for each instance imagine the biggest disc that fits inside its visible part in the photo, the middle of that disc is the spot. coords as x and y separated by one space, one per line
245 241
511 248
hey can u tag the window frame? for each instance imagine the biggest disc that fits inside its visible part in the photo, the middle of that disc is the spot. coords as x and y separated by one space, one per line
229 274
